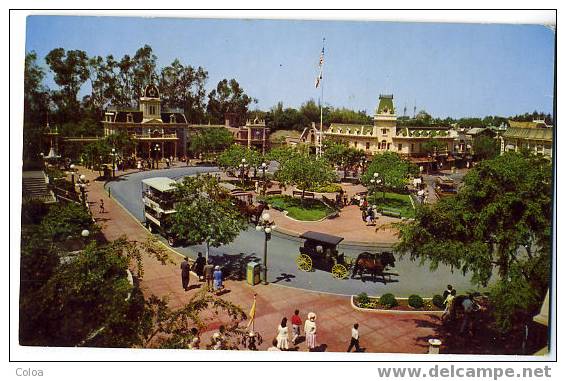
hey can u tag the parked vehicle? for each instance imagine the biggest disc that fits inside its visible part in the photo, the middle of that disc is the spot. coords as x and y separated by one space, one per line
159 206
445 186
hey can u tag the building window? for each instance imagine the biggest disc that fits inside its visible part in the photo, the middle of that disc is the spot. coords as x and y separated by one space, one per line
400 147
355 144
412 147
152 110
367 145
384 131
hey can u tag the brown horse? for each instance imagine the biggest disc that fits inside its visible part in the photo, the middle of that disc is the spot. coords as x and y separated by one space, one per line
374 263
251 211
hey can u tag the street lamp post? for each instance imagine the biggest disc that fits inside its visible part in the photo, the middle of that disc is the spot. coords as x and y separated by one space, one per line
157 149
375 181
82 186
243 167
113 162
72 168
267 227
263 168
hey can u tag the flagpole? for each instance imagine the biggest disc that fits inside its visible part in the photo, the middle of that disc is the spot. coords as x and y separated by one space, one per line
321 100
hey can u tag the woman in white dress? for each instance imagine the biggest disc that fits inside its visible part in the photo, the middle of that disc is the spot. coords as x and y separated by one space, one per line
283 335
310 331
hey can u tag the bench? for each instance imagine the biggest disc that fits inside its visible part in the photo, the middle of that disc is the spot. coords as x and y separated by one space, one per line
273 192
300 193
391 213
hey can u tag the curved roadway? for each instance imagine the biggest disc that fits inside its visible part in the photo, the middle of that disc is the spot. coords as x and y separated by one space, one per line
407 277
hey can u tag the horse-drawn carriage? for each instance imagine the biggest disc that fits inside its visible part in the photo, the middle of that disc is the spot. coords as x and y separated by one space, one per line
320 251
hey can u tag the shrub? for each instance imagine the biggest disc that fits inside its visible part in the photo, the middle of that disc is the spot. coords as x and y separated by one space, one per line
388 300
438 301
363 299
416 301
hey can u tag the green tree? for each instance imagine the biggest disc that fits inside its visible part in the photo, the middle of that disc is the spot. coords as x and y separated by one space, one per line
499 222
122 142
183 87
339 154
282 154
228 96
432 147
71 71
305 172
211 139
485 147
393 171
163 327
232 157
36 106
205 213
66 220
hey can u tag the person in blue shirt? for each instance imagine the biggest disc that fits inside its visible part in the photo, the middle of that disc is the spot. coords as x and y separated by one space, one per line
217 275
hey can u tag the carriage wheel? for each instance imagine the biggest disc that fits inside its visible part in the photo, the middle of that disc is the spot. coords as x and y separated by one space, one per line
339 271
304 262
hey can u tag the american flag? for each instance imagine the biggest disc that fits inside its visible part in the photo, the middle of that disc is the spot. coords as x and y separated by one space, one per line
320 64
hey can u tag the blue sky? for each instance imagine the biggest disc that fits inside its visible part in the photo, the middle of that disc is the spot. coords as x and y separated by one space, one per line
447 69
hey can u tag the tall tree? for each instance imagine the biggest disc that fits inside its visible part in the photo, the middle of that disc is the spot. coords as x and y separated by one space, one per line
485 147
36 105
143 70
499 222
228 96
183 87
210 139
392 171
342 156
232 157
71 71
305 173
205 213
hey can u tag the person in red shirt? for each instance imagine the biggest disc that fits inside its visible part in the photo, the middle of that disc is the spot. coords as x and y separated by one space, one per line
296 322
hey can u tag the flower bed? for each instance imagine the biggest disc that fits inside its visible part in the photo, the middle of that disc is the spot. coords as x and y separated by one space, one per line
309 210
388 303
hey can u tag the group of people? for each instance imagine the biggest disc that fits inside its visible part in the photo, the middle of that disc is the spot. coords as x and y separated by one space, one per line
281 341
369 212
468 305
206 272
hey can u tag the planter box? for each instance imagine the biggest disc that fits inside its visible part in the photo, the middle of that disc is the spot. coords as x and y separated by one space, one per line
396 312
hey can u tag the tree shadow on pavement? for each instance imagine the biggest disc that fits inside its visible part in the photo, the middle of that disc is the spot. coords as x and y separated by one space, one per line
283 277
482 337
234 266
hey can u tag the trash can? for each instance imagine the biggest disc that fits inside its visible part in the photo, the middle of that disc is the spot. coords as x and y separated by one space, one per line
252 273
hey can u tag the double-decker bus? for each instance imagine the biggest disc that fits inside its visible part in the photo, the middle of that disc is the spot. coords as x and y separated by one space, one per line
159 205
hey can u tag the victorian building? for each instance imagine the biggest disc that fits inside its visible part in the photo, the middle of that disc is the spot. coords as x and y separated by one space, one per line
156 133
535 136
386 135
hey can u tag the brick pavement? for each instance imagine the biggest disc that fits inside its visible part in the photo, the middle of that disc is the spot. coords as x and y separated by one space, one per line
380 333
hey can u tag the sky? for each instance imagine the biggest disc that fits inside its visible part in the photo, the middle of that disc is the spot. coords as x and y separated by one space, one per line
457 70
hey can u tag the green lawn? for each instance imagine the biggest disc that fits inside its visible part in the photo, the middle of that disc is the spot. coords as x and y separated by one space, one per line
394 201
311 210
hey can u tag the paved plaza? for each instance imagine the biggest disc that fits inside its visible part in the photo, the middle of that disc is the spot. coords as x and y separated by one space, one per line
380 333
406 278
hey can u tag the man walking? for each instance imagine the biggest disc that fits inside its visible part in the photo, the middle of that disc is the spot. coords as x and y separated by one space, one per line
102 206
199 265
208 273
185 269
355 340
296 322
